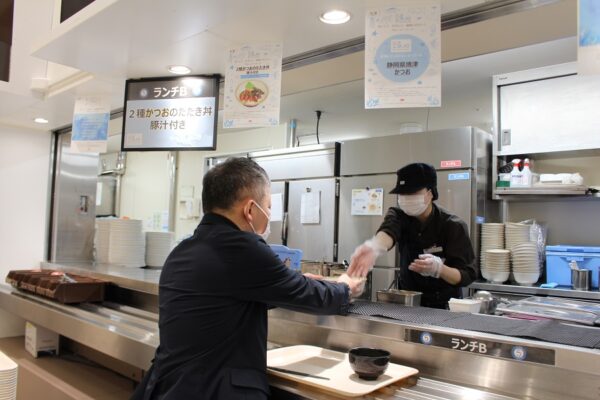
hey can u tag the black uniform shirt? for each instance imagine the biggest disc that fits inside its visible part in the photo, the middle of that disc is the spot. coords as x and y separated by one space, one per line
214 292
444 235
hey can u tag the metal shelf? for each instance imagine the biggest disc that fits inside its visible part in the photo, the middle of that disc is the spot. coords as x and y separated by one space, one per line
535 291
579 191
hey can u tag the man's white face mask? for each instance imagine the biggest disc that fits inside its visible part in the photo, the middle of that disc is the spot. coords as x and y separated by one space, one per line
267 230
413 204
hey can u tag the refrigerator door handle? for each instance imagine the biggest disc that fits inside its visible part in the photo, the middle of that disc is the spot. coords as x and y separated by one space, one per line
284 229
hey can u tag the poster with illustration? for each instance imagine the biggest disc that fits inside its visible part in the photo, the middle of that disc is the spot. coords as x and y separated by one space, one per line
403 56
90 124
253 86
367 202
588 52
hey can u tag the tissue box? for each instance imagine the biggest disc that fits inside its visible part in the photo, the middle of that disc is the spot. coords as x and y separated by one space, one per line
40 339
464 305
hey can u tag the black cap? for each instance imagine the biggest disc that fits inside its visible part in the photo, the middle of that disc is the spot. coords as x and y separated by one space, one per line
414 177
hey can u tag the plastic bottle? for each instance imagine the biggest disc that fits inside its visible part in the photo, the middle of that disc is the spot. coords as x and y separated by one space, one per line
526 177
516 177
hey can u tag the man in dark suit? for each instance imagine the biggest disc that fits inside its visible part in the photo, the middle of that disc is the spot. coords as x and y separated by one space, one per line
215 289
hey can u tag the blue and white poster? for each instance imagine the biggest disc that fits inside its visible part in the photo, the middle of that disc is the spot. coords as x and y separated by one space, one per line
90 124
253 86
403 56
588 53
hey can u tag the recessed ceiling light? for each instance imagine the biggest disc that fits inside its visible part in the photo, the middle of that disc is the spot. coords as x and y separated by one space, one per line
40 120
335 17
179 69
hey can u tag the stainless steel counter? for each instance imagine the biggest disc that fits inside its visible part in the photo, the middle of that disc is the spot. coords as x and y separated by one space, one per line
423 389
124 333
536 291
574 373
131 335
139 279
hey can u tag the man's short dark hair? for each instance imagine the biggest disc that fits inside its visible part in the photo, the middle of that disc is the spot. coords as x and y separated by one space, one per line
231 181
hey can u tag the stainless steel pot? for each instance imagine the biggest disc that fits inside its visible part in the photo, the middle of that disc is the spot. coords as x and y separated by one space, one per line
488 302
406 297
581 279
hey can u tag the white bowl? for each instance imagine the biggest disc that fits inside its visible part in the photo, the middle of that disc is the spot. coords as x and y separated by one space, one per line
526 278
499 276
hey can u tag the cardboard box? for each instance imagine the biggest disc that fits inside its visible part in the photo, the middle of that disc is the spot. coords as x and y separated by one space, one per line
38 339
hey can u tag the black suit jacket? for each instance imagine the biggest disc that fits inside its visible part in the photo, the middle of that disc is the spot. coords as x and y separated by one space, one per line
214 292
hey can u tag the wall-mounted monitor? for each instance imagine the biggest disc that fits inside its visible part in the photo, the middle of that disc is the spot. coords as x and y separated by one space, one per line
171 113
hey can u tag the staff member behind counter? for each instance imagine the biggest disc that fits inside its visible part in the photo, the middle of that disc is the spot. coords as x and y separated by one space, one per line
436 254
214 292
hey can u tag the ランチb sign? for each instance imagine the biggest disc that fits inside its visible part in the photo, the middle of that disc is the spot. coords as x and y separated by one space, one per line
171 113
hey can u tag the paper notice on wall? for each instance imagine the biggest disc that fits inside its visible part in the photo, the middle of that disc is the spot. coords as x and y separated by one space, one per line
403 55
588 52
310 208
98 194
90 124
276 207
367 202
253 86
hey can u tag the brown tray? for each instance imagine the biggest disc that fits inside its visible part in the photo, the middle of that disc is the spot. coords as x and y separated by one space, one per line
54 285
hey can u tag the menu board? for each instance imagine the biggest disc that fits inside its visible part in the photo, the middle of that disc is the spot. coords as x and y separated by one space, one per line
172 113
403 56
253 86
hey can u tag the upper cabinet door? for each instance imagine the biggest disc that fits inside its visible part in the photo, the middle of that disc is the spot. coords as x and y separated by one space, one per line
546 110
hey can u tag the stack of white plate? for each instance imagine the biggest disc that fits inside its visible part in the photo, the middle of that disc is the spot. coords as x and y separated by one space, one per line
8 378
497 265
492 237
127 243
525 263
158 247
101 240
516 234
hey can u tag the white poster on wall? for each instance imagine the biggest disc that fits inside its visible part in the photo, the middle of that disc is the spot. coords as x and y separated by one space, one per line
90 124
403 56
588 52
276 207
253 86
310 208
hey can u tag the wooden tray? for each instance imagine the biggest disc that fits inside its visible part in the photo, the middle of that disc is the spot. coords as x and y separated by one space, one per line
333 365
50 283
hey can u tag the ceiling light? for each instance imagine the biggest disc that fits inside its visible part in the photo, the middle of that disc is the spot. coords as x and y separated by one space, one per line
179 69
335 17
40 120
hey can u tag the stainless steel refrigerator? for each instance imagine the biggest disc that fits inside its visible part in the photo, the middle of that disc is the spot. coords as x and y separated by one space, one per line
461 157
298 175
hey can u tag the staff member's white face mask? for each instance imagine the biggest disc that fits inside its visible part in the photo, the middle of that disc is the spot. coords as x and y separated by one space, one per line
414 204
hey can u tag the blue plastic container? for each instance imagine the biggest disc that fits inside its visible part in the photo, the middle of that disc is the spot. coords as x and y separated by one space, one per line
290 257
559 257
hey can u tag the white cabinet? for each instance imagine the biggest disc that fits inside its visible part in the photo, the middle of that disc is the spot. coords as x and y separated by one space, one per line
544 113
547 109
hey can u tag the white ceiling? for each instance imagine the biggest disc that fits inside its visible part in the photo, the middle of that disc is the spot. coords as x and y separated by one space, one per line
96 50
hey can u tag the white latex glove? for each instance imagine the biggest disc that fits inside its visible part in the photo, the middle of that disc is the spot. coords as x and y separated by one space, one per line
364 257
356 285
427 265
